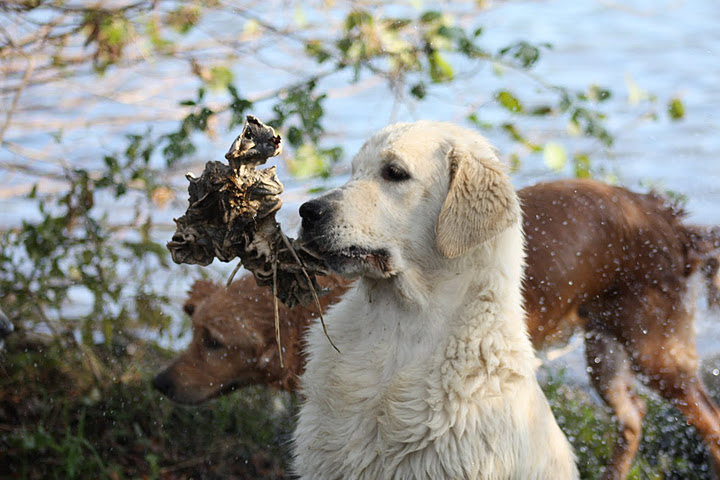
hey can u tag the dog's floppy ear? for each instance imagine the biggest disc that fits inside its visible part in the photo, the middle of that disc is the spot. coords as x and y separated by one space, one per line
200 290
481 202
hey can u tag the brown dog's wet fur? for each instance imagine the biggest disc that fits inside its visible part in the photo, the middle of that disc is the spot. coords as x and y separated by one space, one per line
600 258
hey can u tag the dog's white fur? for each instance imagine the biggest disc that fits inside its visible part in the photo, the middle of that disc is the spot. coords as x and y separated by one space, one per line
436 375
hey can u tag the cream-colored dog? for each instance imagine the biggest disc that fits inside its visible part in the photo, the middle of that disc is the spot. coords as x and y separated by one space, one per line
435 378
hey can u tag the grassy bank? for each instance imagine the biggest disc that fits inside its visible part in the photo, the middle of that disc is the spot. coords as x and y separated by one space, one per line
67 413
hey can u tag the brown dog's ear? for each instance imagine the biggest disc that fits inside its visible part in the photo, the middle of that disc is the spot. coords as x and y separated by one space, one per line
481 202
200 290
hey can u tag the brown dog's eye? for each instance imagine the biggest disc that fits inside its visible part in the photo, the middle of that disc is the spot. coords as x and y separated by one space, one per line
248 134
393 173
210 342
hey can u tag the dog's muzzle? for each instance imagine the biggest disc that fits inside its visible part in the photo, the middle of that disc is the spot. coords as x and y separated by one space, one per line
317 235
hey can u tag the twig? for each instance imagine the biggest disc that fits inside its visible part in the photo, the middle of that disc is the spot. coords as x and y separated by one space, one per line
312 289
277 313
16 98
232 275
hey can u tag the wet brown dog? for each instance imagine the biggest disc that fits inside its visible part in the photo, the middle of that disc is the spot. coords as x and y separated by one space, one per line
233 342
600 258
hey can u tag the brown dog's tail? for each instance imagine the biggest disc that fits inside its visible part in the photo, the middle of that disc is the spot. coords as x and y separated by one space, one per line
703 254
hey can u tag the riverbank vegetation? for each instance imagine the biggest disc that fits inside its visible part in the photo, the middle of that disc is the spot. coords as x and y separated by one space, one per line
63 418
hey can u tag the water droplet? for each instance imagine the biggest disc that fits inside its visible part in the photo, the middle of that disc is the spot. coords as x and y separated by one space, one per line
716 372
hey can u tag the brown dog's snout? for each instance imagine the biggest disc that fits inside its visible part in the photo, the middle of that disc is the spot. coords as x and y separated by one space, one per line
164 384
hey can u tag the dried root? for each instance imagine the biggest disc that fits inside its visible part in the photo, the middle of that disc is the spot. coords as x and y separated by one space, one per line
231 214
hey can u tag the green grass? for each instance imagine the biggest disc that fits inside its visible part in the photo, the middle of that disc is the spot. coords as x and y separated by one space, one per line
58 421
69 414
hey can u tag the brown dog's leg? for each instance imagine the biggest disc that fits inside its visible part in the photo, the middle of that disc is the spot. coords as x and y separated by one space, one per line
681 386
613 379
667 358
694 402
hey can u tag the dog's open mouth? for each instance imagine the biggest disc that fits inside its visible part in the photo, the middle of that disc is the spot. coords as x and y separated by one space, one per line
353 259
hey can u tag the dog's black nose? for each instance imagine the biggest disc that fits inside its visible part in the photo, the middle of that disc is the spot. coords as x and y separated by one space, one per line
312 212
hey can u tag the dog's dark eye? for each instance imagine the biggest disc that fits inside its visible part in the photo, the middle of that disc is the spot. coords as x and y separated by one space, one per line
248 134
393 173
210 342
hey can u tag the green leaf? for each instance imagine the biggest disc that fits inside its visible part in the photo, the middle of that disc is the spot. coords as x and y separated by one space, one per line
509 101
676 109
295 136
475 120
220 78
397 23
555 156
431 16
308 162
314 48
581 165
357 18
518 137
114 30
440 70
541 110
418 90
598 94
525 53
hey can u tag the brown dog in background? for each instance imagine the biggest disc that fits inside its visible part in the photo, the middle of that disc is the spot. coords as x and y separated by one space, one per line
599 258
234 344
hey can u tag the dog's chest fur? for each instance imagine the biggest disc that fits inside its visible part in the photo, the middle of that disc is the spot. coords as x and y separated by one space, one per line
412 393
